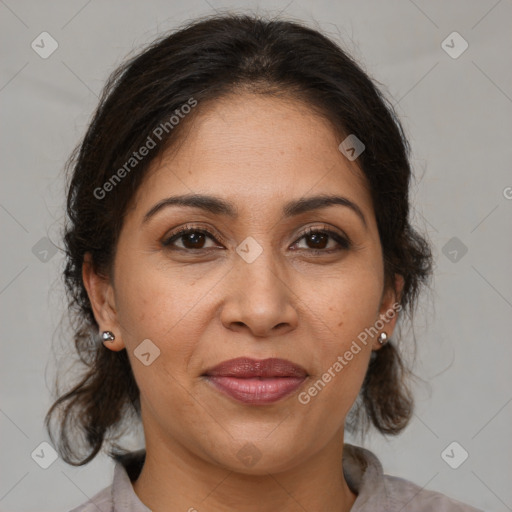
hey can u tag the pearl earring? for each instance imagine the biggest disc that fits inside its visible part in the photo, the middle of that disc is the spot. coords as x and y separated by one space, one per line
107 336
383 338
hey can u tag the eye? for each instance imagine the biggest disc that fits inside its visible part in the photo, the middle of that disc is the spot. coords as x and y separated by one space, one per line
317 241
191 238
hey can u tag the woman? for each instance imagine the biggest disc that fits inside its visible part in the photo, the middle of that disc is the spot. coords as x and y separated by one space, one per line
238 255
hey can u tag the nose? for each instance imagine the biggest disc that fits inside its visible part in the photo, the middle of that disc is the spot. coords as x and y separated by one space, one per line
259 298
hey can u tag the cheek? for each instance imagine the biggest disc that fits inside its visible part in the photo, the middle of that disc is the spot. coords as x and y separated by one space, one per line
150 309
348 307
152 302
348 303
169 308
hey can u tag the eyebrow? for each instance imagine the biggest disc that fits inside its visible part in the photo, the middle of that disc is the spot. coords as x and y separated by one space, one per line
218 206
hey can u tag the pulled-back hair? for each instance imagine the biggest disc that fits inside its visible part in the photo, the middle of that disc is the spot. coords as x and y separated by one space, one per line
204 61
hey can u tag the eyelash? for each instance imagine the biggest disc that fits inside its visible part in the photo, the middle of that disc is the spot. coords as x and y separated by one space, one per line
343 242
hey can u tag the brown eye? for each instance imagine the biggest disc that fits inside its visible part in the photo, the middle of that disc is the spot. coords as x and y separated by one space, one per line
193 240
190 239
318 241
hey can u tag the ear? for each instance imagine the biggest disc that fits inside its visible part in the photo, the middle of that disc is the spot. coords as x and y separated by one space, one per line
101 295
390 308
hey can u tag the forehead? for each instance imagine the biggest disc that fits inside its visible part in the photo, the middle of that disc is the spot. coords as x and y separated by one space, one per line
255 149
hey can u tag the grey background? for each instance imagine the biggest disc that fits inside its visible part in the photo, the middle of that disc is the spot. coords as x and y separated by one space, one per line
457 113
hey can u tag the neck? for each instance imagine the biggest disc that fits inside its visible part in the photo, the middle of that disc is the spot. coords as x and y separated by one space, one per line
174 479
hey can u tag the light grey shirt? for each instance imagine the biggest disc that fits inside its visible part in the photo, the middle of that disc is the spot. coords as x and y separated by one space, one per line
362 469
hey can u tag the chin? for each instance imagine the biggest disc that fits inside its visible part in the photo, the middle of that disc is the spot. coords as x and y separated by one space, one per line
259 456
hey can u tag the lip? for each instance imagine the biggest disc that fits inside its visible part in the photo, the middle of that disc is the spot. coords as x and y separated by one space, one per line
255 381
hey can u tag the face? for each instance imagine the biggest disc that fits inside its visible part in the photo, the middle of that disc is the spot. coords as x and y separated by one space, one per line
262 271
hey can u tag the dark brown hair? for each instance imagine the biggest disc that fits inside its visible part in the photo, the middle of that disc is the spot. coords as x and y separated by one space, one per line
206 60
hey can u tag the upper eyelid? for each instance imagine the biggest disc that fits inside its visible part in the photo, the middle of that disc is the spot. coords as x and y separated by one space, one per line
186 229
325 228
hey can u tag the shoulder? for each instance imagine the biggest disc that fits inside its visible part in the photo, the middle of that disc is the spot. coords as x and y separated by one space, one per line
408 497
100 502
378 491
119 496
